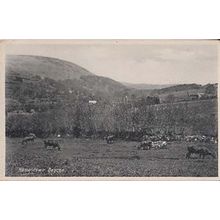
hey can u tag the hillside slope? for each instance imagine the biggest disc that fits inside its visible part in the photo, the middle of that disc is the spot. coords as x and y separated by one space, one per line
56 69
35 77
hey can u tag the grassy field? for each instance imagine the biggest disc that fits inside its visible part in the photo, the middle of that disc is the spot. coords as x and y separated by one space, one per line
83 157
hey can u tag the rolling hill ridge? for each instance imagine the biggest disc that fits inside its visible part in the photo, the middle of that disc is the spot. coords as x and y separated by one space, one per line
56 69
37 76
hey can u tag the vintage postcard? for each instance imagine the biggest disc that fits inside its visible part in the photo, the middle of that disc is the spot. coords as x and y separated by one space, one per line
109 109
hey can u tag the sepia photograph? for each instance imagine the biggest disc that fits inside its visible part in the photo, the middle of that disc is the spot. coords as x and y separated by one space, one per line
111 108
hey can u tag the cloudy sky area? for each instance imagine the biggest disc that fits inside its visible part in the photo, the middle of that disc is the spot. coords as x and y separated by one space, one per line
160 63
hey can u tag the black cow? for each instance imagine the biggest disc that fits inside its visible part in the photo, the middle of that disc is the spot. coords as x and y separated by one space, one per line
202 152
109 139
52 143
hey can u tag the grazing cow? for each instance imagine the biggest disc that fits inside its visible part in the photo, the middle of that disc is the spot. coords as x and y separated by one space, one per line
159 144
109 139
29 138
145 145
52 143
202 152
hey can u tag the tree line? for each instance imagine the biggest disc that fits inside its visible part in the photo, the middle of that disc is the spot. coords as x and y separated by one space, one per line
79 118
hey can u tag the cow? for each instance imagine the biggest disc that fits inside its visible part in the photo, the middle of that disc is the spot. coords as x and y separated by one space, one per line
109 139
202 152
159 144
145 145
52 143
29 138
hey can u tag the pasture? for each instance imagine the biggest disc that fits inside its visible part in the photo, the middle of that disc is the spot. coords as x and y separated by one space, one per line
94 157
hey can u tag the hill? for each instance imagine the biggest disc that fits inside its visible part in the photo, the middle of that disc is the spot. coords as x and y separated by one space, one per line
143 86
186 92
35 78
178 88
26 65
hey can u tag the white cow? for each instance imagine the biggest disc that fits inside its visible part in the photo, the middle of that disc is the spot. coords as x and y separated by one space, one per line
159 144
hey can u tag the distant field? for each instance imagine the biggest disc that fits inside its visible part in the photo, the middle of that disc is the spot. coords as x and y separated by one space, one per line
180 94
83 157
209 103
206 108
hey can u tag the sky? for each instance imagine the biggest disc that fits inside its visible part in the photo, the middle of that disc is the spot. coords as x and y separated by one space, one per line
155 62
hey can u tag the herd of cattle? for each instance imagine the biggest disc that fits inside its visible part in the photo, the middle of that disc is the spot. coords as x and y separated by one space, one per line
148 142
187 138
148 145
160 142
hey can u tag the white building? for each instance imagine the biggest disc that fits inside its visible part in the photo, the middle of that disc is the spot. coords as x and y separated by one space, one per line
92 101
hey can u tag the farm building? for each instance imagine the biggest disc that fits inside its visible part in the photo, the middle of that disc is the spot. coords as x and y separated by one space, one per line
92 102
